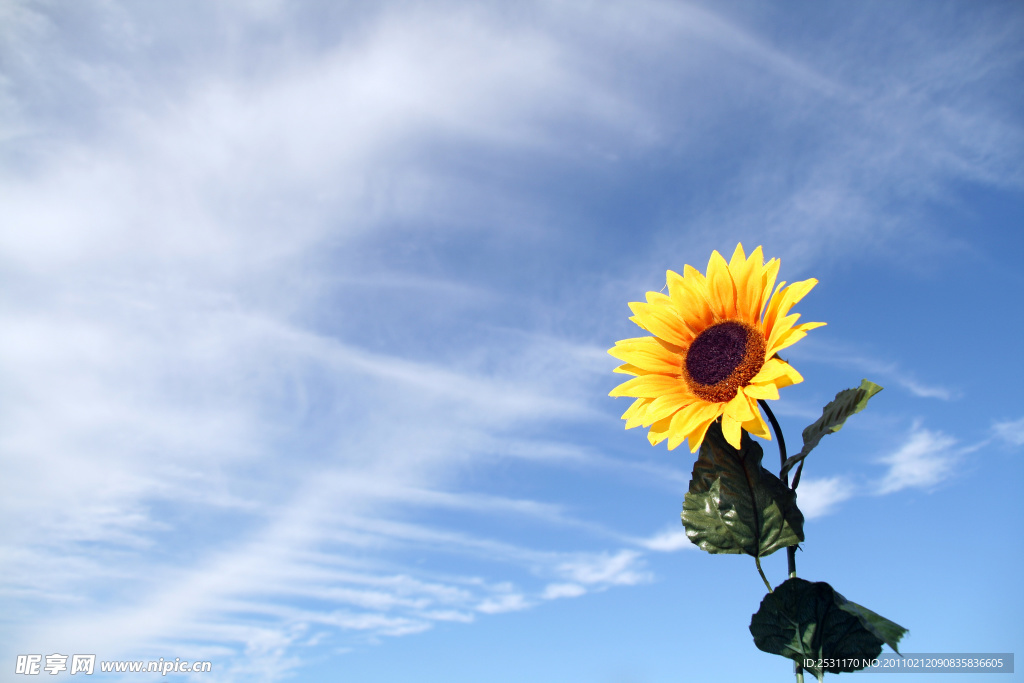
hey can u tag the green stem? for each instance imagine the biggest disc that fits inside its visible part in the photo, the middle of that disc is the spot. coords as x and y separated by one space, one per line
778 435
796 477
791 550
764 578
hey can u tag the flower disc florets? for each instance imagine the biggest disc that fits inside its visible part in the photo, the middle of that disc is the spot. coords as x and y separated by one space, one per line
723 358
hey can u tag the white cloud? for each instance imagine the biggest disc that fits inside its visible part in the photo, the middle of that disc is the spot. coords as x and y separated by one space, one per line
922 462
553 591
623 568
923 390
390 626
1010 431
512 602
450 615
667 541
819 497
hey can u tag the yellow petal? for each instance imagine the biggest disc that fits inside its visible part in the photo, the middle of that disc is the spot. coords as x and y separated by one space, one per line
738 256
777 371
786 340
662 321
666 405
783 327
690 418
648 354
657 298
697 435
739 408
659 431
784 300
678 421
642 343
766 392
693 303
746 274
757 427
628 369
749 287
675 438
732 430
790 378
772 305
649 386
690 295
672 278
721 287
634 415
768 276
691 274
791 336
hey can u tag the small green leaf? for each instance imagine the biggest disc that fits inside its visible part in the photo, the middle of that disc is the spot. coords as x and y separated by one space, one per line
735 505
806 621
833 416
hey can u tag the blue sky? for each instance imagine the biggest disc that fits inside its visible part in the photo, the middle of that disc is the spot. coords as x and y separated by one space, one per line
306 309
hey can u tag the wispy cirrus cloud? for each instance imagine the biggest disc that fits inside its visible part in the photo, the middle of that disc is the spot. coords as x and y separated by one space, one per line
885 372
818 497
1010 431
925 460
901 130
667 541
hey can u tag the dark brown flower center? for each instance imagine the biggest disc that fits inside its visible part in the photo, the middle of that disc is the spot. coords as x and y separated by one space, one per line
716 352
723 358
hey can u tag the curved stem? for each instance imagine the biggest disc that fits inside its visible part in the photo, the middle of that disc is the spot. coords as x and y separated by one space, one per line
760 571
778 434
791 550
796 477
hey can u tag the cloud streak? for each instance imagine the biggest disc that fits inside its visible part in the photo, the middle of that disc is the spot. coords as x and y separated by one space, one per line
926 459
837 355
1010 431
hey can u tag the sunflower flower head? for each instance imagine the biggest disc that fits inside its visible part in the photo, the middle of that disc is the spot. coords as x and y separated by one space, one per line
714 350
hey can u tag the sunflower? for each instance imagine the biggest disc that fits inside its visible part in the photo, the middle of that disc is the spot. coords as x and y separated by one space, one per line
714 352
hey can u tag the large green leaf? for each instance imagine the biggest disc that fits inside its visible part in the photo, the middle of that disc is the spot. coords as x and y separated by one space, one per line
735 505
833 416
887 631
807 622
